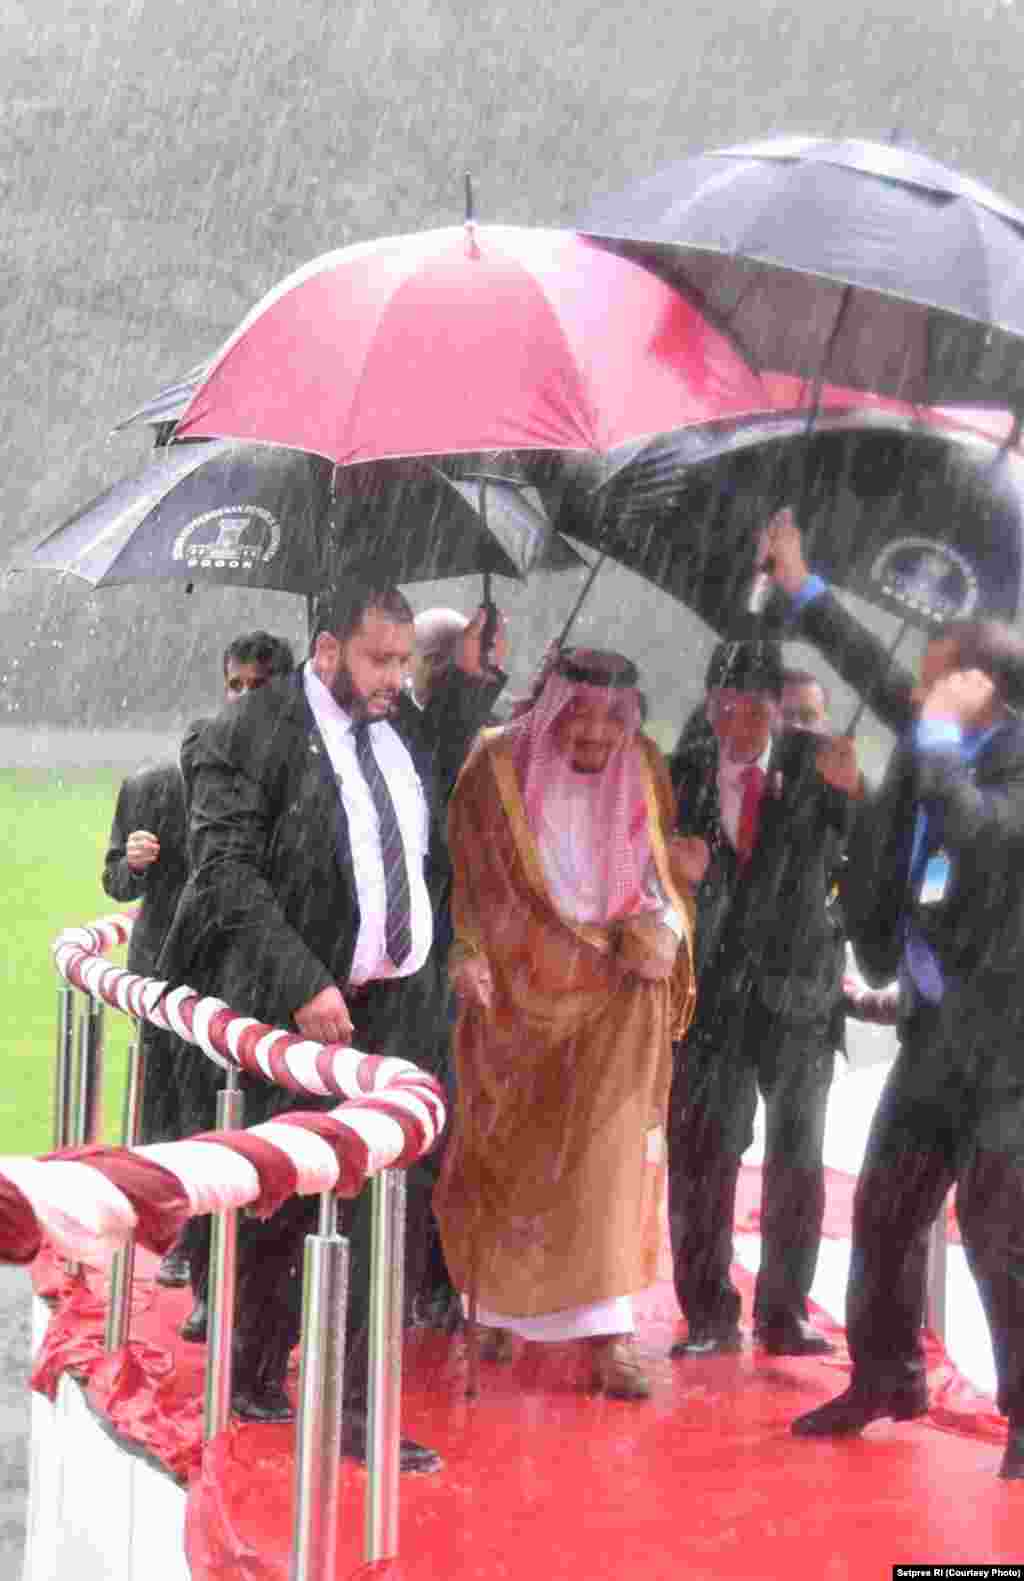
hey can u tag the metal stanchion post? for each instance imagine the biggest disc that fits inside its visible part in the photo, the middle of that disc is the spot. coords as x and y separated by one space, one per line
88 1085
89 1103
122 1269
321 1379
937 1260
64 1070
221 1295
385 1402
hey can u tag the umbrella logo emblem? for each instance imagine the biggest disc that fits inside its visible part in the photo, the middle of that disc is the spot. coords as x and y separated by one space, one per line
926 578
235 537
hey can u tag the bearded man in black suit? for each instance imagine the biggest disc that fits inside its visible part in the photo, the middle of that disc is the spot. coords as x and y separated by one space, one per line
317 854
769 983
934 892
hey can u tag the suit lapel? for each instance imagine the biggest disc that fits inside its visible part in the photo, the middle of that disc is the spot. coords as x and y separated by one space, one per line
322 788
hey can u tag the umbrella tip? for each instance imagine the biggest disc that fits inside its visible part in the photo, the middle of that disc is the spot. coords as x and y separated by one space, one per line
470 210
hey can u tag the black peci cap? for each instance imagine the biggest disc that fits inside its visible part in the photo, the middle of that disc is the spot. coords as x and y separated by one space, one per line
746 667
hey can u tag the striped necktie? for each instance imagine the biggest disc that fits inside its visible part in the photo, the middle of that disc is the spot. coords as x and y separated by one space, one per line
398 922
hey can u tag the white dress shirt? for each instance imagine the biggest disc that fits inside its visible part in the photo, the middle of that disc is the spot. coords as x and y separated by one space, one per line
336 727
730 790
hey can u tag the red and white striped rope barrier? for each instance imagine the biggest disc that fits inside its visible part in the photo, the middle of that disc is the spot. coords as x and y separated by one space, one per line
89 1202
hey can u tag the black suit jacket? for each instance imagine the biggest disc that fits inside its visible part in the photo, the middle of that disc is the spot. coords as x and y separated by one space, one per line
270 915
153 799
770 925
978 810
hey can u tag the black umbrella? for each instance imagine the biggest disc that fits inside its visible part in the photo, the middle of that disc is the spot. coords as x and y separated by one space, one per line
868 264
263 516
162 411
418 523
924 521
212 511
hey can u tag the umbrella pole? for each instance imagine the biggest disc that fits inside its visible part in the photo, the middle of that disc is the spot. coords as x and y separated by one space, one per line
560 640
488 605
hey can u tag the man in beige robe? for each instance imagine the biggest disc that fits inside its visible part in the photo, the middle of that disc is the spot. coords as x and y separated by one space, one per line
572 914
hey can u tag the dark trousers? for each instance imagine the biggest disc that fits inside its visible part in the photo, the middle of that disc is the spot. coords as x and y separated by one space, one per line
396 1017
717 1075
951 1113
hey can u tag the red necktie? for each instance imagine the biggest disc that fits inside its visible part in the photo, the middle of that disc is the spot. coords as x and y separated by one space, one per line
750 810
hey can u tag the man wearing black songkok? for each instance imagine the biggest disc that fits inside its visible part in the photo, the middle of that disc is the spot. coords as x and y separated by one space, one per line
769 979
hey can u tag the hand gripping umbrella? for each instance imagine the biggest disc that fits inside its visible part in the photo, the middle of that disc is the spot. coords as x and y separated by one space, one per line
414 521
925 520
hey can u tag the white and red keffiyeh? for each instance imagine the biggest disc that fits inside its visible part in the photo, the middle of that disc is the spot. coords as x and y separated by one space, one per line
607 812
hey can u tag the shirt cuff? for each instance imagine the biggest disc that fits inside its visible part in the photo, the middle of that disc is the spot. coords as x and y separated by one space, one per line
937 735
811 588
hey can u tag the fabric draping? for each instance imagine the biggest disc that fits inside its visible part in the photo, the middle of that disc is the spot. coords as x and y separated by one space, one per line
550 1191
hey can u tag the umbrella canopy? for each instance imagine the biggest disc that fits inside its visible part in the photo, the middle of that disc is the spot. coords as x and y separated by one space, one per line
866 263
213 512
162 410
923 521
468 339
260 516
415 523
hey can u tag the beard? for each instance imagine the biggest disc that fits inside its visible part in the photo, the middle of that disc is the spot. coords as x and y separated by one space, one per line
358 704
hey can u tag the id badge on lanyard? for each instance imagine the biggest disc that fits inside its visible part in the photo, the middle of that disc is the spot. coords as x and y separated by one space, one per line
935 884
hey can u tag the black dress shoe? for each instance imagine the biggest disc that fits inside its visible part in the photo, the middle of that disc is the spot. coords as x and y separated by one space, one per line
794 1337
268 1403
173 1270
849 1413
709 1339
1012 1468
194 1327
411 1456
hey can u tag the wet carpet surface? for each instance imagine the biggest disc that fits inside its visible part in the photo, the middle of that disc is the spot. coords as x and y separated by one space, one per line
543 1479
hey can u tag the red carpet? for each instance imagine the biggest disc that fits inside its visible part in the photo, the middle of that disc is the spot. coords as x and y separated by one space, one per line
545 1482
839 1189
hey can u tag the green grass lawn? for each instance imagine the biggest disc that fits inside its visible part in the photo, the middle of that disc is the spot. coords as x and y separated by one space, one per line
54 833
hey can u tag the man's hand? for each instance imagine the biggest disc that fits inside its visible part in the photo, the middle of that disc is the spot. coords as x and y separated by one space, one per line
646 946
325 1018
141 850
780 542
836 762
473 982
688 855
468 657
967 697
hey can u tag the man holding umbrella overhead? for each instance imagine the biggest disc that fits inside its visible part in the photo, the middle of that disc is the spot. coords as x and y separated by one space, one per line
769 979
952 1111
